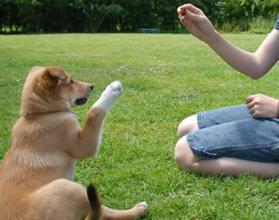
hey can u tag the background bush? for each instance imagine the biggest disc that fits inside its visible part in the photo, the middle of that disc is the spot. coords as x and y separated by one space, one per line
126 15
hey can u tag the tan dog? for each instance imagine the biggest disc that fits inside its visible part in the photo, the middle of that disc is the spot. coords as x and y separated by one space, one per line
36 173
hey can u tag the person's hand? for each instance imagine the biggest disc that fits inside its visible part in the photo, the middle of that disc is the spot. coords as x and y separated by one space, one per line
196 22
262 106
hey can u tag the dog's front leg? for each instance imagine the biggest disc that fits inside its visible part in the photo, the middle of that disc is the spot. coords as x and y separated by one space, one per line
90 135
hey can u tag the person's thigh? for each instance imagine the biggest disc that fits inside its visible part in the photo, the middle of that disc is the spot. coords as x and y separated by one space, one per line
211 118
222 115
248 139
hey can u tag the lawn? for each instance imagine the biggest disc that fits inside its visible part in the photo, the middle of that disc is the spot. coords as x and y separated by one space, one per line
165 78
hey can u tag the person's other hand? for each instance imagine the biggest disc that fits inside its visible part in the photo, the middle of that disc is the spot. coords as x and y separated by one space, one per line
262 106
196 22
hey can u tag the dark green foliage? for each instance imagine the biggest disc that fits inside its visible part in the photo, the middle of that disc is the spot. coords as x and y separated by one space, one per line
239 14
124 15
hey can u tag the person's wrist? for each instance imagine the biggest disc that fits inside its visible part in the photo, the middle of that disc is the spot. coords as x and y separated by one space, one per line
277 108
213 38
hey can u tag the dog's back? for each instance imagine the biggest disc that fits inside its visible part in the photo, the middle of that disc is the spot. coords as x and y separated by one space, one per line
28 165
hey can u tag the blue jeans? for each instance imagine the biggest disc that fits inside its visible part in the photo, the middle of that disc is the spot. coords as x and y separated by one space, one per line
233 132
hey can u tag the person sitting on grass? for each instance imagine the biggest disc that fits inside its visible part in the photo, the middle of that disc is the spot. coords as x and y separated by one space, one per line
238 139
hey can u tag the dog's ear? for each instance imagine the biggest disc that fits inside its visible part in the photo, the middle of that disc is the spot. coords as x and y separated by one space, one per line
55 76
56 73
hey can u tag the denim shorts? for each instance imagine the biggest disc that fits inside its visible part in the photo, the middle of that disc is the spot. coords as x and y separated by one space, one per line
233 132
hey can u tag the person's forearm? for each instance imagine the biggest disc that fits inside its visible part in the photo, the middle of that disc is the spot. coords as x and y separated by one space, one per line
252 64
268 53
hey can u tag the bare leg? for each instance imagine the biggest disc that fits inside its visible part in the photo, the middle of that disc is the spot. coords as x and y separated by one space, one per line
189 124
137 211
186 160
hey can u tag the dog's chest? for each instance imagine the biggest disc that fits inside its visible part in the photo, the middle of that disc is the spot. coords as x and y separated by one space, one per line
71 170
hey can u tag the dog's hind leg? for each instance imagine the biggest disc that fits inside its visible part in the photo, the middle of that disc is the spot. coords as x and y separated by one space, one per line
137 211
64 200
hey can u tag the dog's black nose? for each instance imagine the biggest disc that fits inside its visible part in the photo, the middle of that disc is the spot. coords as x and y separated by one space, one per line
90 86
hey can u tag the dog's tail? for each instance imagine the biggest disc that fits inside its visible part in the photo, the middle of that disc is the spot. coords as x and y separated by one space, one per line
95 202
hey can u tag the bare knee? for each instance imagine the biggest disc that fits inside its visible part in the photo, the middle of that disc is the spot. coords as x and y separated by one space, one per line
189 124
184 156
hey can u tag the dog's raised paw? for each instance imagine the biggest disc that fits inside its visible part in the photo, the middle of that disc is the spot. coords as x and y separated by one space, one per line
114 89
109 95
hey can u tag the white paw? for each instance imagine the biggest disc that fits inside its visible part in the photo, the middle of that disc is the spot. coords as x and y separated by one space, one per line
109 96
113 90
142 207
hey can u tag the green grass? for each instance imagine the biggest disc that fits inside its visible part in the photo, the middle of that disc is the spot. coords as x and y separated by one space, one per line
165 78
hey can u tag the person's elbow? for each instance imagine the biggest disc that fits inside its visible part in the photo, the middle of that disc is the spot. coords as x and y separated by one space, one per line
258 70
256 75
260 65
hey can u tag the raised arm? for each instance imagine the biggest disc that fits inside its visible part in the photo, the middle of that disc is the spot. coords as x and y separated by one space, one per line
253 64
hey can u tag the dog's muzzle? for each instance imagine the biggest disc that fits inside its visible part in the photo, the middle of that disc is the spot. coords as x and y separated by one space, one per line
81 101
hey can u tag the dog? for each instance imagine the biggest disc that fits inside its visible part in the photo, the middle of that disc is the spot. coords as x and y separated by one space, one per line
36 174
